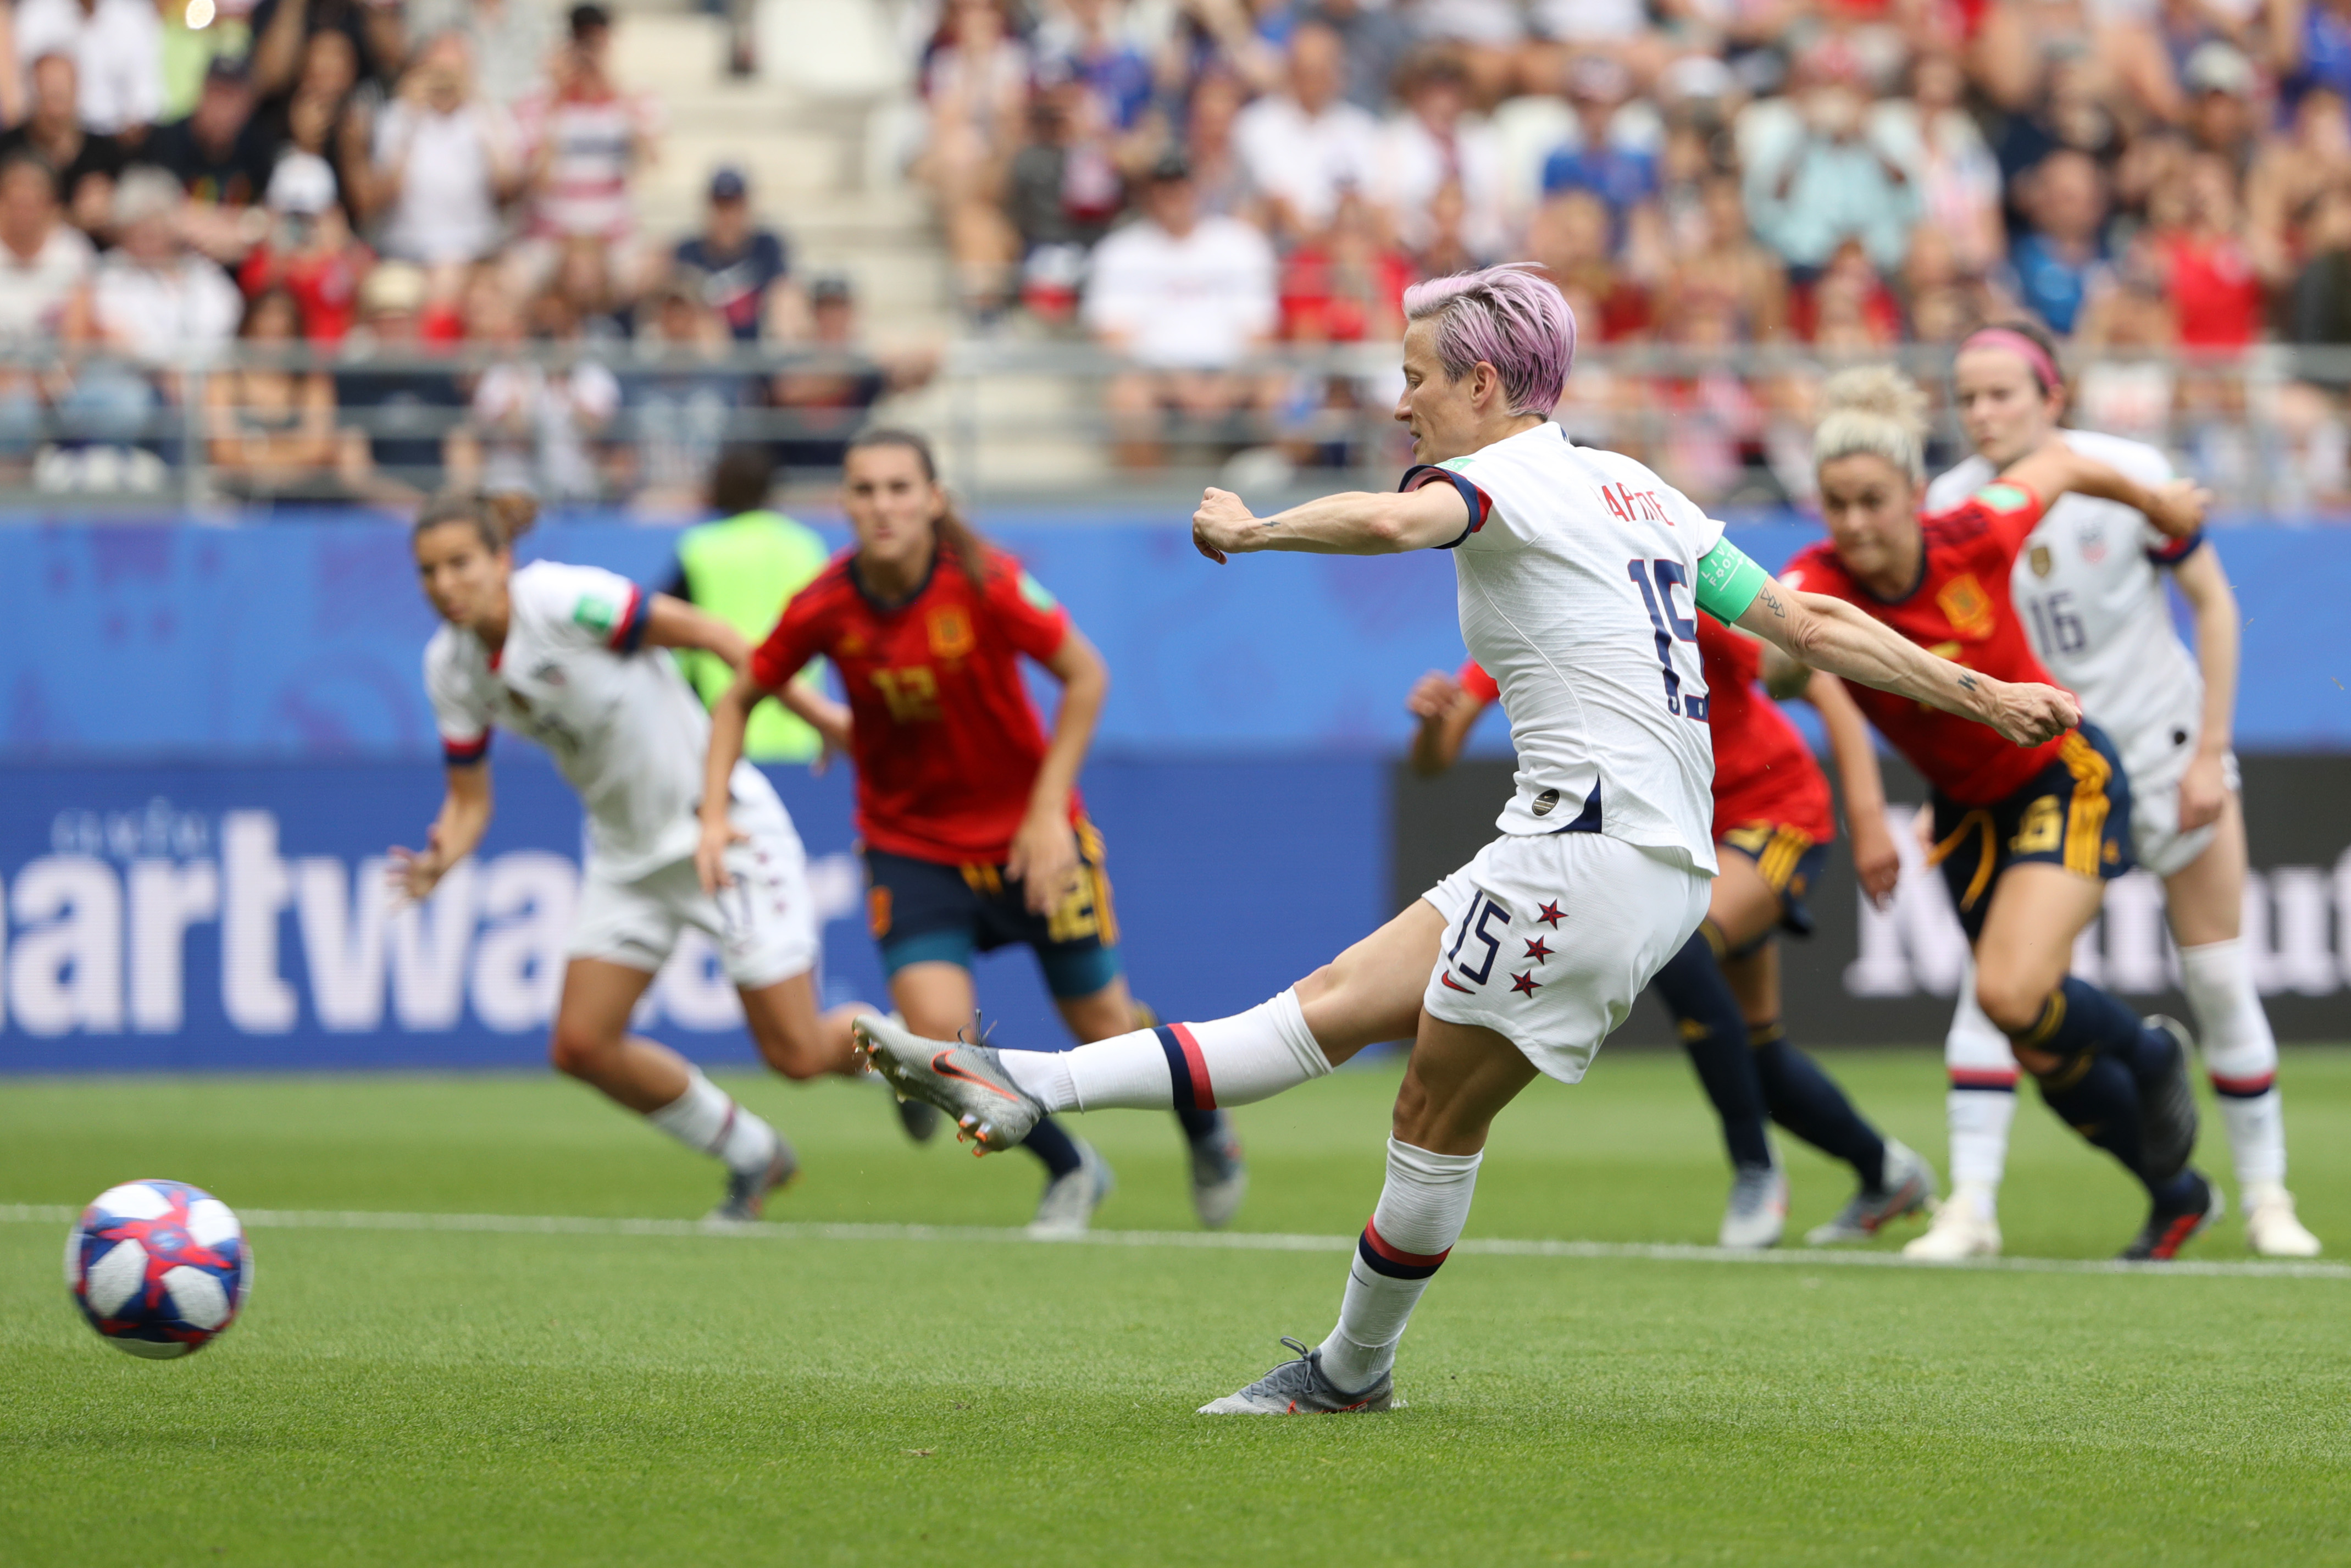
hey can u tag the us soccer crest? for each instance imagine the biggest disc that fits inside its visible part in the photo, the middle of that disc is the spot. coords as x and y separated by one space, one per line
2042 561
2093 544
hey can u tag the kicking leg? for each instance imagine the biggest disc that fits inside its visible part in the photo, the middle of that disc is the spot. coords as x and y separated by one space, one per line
1460 1076
591 1043
2206 903
1219 1175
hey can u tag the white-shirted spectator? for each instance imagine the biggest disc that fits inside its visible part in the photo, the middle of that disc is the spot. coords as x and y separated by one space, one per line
155 298
509 40
117 44
45 273
1183 298
1435 143
531 428
583 138
1305 145
443 161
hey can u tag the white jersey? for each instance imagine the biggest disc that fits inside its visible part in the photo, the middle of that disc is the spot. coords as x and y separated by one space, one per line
622 725
1576 576
2088 590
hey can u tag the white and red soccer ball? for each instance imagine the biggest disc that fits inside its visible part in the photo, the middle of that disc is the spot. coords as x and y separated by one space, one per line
159 1267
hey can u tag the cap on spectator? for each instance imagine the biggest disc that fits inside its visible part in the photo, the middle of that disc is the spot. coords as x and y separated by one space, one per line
728 184
393 288
1596 78
2216 67
587 19
1171 164
302 182
1696 79
831 288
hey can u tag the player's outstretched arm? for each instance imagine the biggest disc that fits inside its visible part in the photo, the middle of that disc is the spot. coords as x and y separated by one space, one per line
1445 713
2204 791
2175 507
1830 634
1356 522
674 623
465 818
1876 862
1044 853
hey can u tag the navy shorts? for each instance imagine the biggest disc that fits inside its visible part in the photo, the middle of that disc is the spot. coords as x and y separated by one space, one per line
1790 863
2076 813
927 912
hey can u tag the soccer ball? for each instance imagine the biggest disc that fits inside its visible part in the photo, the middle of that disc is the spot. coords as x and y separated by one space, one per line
159 1267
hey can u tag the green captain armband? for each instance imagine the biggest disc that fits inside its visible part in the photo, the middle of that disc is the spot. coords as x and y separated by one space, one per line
1728 582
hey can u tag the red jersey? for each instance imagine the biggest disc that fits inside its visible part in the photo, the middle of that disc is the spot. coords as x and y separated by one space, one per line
1763 772
1958 611
946 740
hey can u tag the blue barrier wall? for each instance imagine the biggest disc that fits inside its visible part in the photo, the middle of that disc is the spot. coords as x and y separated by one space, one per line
303 640
233 916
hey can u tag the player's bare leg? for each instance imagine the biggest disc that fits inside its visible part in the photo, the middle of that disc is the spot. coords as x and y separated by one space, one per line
1220 1175
1368 994
939 1004
2122 1082
591 1043
2205 903
794 1038
1458 1079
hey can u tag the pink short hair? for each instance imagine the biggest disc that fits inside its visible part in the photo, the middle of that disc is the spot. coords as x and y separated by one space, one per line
1510 317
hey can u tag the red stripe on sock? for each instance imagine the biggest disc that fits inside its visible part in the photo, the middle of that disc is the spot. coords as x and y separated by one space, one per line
2244 1088
1204 1094
1982 1078
1397 1255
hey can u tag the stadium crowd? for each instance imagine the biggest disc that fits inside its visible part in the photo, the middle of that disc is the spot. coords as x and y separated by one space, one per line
384 184
2166 184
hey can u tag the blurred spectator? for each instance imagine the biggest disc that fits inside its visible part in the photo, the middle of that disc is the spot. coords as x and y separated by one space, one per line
582 299
283 31
1304 146
1830 179
739 268
1487 37
1375 38
1847 309
443 161
1725 274
1087 42
1220 176
1064 189
2065 250
1623 177
509 40
15 93
1184 299
2129 385
2216 293
310 250
2306 451
531 428
583 138
1959 180
2321 50
116 49
220 159
407 412
1569 239
823 396
2221 83
330 112
1436 143
2317 305
678 400
975 87
46 266
270 432
2072 114
86 163
1345 285
155 298
2294 172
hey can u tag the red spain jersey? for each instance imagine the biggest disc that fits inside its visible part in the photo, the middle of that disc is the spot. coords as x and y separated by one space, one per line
1959 611
946 740
1763 772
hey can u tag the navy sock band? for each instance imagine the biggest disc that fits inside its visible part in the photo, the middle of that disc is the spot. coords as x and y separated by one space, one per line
1806 1101
2097 1097
1714 1032
1050 1143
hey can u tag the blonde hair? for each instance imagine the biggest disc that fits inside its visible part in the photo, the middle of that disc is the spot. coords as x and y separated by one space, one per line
1875 410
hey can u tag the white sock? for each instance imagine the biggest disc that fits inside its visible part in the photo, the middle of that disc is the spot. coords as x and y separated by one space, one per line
1422 1207
1980 1120
1234 1061
1979 1198
2239 1056
1982 1101
706 1119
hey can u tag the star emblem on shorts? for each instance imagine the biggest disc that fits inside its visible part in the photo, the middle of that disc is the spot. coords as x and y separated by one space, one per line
1524 985
1550 915
1538 949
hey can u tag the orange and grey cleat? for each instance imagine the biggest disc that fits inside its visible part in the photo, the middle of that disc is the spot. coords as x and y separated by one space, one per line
967 1081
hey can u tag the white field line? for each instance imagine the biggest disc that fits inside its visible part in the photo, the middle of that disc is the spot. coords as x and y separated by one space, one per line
1220 1241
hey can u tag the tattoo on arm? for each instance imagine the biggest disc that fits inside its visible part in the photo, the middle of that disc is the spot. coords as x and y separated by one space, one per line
1771 601
1966 683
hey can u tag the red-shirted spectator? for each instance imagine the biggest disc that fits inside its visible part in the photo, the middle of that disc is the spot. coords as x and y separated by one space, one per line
309 251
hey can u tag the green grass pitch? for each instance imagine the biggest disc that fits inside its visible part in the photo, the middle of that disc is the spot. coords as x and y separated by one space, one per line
397 1396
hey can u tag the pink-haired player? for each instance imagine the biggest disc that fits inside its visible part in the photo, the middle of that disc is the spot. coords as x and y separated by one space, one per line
1579 570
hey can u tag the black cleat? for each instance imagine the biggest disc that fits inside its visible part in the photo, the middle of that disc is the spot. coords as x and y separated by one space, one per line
2166 1106
2170 1230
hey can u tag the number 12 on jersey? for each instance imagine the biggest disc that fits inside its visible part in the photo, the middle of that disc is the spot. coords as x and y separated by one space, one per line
1670 626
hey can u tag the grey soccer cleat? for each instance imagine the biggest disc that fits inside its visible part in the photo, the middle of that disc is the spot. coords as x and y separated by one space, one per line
968 1082
746 1191
1298 1388
1220 1179
1904 1186
2166 1106
1758 1210
1067 1208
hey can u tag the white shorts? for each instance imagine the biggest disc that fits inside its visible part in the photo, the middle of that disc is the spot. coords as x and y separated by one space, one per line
764 925
1548 940
2157 842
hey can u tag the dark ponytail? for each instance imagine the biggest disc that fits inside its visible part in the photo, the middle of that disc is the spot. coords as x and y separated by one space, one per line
499 517
956 537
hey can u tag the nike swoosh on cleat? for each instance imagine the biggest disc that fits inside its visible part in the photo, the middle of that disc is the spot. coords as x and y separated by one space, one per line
946 1069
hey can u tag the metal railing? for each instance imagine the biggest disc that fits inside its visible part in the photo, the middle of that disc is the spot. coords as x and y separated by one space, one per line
247 430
